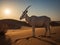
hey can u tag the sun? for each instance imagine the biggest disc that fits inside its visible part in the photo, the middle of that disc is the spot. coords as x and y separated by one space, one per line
7 11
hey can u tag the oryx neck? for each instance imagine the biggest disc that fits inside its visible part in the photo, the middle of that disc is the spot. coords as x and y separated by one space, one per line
27 18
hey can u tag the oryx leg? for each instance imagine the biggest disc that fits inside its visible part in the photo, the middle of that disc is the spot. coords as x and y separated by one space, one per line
48 29
33 31
45 30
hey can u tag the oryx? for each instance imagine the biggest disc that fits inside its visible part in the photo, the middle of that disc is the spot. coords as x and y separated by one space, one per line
37 21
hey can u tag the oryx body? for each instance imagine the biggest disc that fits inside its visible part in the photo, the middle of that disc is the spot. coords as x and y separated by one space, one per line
37 21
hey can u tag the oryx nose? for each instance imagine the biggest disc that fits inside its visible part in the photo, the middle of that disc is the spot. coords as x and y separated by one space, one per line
20 18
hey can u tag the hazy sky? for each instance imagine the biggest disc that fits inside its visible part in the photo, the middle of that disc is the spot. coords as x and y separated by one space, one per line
50 8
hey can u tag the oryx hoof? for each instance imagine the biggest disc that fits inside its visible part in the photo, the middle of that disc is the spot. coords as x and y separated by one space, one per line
48 36
27 38
53 33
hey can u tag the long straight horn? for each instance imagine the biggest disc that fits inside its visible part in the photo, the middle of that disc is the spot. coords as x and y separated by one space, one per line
27 8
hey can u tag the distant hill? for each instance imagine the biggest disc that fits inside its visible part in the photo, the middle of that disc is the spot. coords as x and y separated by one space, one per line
55 23
15 24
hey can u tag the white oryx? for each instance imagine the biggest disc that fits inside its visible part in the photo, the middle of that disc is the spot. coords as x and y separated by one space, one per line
37 21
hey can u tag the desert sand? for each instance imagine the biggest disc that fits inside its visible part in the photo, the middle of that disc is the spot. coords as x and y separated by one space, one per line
13 34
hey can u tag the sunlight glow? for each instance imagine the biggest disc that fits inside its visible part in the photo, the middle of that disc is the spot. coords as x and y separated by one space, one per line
7 11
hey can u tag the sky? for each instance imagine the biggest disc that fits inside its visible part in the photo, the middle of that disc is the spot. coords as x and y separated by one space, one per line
50 8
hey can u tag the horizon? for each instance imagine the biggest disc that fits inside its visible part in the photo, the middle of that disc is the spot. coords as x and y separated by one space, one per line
14 8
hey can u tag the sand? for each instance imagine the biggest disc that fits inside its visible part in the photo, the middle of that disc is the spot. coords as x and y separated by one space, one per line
13 36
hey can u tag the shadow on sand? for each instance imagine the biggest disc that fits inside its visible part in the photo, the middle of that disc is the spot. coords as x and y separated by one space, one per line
26 40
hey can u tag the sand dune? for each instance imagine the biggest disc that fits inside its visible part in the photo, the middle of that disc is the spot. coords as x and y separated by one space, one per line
27 31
